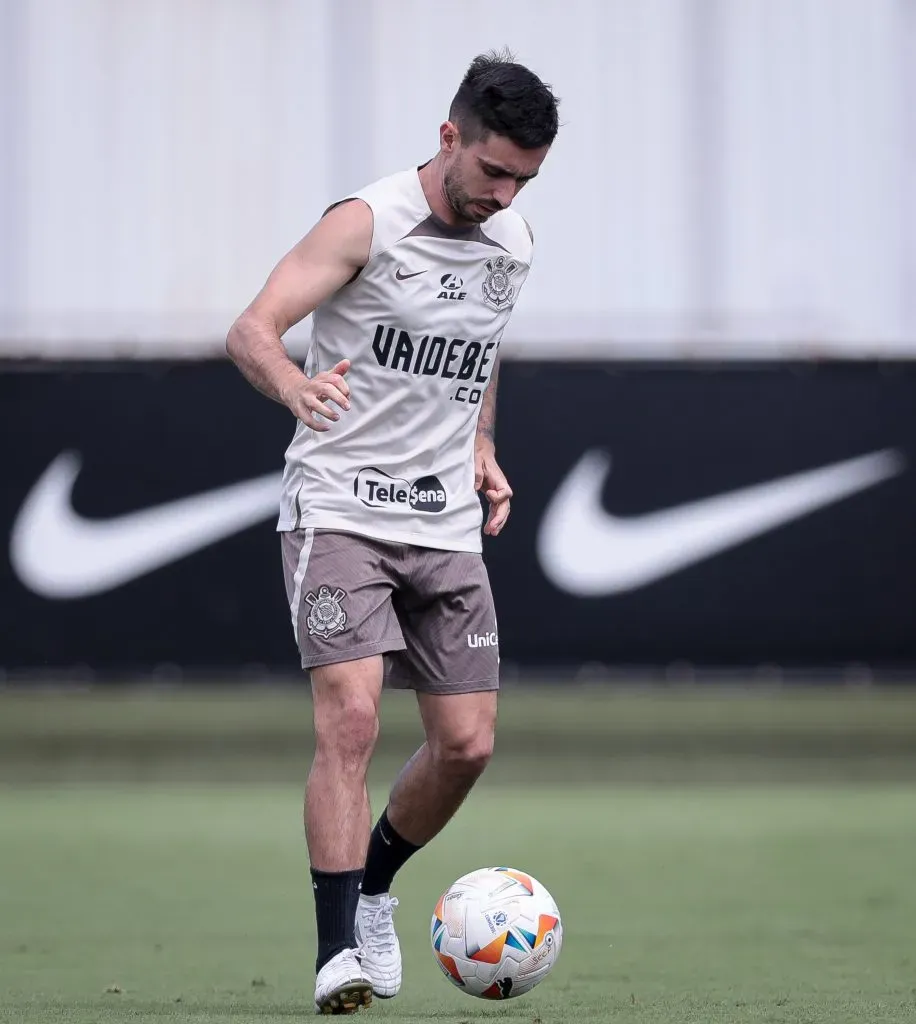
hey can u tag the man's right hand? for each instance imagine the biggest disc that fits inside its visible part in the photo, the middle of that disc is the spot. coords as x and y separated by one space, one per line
308 400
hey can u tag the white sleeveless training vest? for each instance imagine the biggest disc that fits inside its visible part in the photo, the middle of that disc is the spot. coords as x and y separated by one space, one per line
421 324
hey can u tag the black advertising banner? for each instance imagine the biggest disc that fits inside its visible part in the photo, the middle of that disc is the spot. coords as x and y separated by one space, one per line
733 515
138 509
725 516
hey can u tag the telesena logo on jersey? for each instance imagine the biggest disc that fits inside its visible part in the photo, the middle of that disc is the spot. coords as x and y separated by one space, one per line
376 489
421 325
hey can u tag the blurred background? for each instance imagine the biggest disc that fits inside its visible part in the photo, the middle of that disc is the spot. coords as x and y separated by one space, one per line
708 404
707 410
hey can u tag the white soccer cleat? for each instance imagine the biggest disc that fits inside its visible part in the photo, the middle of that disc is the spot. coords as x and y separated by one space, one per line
379 950
342 986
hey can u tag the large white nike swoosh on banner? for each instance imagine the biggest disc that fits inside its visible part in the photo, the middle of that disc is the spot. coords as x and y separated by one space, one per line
586 551
57 553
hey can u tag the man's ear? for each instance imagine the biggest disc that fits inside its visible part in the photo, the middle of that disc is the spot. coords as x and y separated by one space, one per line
449 137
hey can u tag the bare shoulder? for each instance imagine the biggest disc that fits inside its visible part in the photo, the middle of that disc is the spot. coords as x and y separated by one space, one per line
346 229
327 258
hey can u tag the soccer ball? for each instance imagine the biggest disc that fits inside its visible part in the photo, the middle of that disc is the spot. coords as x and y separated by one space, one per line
496 933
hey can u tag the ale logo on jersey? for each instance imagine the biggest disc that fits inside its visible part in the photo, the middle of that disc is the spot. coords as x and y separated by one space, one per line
452 287
376 489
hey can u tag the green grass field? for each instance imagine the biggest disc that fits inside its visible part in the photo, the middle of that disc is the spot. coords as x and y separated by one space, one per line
715 858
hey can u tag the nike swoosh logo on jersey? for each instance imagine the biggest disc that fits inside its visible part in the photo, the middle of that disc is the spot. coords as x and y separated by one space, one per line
404 277
586 551
57 553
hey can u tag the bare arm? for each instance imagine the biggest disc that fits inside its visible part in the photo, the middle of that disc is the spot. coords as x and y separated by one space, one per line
486 422
334 250
488 477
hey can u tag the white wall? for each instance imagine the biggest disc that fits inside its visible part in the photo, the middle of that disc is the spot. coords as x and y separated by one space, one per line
732 176
167 153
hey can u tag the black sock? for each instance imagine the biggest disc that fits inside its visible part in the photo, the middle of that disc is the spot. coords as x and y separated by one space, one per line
388 853
336 897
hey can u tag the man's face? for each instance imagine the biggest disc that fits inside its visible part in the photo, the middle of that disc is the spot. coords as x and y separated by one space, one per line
483 177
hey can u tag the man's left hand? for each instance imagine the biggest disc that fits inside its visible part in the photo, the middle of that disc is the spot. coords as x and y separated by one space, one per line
489 478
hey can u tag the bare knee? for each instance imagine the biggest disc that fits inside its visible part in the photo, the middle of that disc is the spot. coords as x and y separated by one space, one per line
463 753
460 730
347 735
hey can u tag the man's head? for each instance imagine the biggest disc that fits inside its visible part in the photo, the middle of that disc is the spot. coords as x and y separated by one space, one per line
501 125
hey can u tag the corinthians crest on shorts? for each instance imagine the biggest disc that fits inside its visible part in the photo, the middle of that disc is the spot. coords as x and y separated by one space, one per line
498 289
326 617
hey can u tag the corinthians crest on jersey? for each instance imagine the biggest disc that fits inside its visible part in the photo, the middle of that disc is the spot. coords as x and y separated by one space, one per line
498 289
326 617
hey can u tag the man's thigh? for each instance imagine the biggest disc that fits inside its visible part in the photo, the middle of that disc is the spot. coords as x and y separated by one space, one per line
448 620
339 588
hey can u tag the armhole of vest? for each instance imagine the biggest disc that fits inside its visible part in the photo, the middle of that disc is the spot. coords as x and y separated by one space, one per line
340 202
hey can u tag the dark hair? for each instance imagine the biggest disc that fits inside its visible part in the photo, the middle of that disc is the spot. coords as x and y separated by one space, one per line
498 95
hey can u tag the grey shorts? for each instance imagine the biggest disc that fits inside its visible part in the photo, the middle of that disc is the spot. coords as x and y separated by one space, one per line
429 612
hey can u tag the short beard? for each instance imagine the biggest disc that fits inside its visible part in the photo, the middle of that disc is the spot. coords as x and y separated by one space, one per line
458 199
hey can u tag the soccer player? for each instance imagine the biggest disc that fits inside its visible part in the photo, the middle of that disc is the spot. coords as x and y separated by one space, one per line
412 281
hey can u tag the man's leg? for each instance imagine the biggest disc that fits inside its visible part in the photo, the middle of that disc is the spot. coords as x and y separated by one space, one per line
432 786
451 659
337 815
452 662
339 590
426 794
